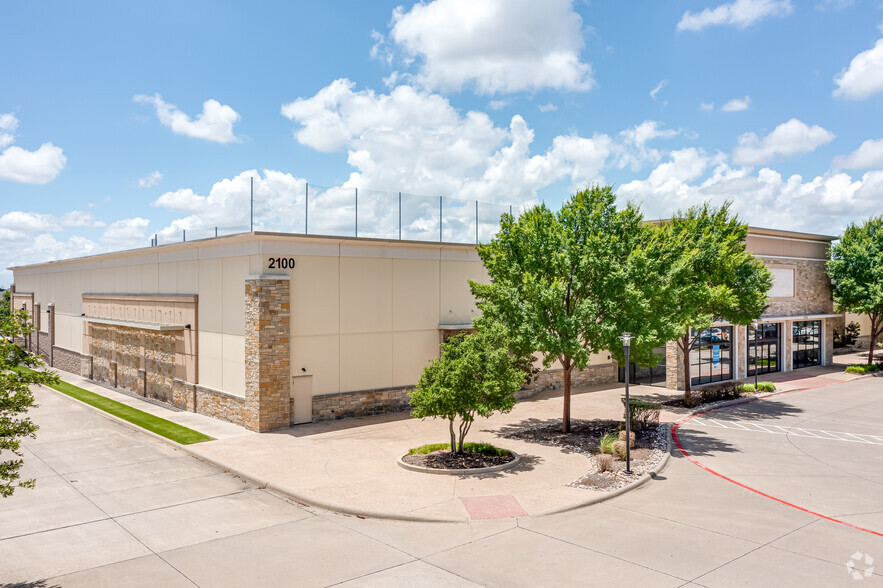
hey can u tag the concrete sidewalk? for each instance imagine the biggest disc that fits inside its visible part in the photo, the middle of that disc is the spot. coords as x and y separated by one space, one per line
350 466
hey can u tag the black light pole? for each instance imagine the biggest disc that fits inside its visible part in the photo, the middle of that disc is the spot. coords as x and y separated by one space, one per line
755 358
626 339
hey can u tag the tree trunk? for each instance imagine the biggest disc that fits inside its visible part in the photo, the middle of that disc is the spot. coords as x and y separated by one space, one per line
464 428
875 328
685 345
565 420
453 436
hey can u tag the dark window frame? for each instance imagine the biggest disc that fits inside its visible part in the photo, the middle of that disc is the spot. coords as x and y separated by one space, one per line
701 356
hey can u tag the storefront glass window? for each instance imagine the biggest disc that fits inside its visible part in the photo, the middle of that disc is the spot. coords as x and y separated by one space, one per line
711 357
763 348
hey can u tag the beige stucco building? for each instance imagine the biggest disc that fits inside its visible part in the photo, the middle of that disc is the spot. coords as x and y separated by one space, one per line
260 329
268 329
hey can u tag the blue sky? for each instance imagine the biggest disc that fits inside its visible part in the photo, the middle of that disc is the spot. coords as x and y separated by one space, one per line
119 121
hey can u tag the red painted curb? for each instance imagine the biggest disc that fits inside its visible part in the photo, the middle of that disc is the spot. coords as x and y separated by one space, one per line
674 436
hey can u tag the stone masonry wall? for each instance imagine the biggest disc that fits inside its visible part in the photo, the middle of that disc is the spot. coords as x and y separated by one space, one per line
220 405
122 346
812 289
553 379
67 360
364 403
267 353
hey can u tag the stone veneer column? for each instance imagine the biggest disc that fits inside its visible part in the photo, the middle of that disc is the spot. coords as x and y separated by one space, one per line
674 366
267 352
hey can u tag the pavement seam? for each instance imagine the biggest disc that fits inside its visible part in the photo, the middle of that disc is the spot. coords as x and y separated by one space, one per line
117 523
761 546
620 558
662 518
834 563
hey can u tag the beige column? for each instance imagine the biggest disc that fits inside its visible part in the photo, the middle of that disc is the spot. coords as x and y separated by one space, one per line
267 352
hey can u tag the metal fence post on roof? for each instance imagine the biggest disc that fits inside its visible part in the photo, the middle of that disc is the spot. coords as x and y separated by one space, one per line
476 222
357 212
252 205
184 234
400 216
307 209
216 231
440 239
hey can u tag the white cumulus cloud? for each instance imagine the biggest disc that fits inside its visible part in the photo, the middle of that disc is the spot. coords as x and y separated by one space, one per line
492 46
823 204
150 180
214 123
863 77
737 105
868 155
27 167
740 14
789 138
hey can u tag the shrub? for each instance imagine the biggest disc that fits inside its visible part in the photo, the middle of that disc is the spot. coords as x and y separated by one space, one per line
766 387
643 413
746 389
605 462
631 438
619 449
851 333
607 441
482 448
726 391
862 369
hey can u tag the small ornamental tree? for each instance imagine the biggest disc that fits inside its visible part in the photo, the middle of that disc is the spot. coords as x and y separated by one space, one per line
856 272
475 376
716 279
16 398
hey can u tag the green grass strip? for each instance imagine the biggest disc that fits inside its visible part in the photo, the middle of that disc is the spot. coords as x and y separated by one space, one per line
168 429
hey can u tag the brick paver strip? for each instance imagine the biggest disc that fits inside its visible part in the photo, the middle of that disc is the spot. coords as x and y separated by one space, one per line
492 507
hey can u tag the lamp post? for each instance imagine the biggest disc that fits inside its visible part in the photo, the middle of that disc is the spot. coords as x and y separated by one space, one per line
755 357
626 340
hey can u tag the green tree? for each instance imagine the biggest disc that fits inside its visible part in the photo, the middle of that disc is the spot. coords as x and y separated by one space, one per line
474 376
716 278
5 305
567 284
16 398
856 272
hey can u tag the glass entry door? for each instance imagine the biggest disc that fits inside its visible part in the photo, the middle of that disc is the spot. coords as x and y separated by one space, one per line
763 348
806 343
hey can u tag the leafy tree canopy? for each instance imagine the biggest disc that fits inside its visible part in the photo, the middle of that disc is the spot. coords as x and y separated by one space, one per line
567 284
856 272
716 278
15 399
474 376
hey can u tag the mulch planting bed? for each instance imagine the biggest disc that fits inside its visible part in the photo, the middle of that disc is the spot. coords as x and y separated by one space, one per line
585 437
445 460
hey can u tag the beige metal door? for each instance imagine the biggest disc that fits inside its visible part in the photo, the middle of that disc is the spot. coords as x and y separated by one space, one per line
302 394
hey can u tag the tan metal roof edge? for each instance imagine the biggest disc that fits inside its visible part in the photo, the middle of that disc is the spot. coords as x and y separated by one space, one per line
249 236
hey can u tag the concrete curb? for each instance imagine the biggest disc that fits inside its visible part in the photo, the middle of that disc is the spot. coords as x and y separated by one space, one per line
620 491
465 472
